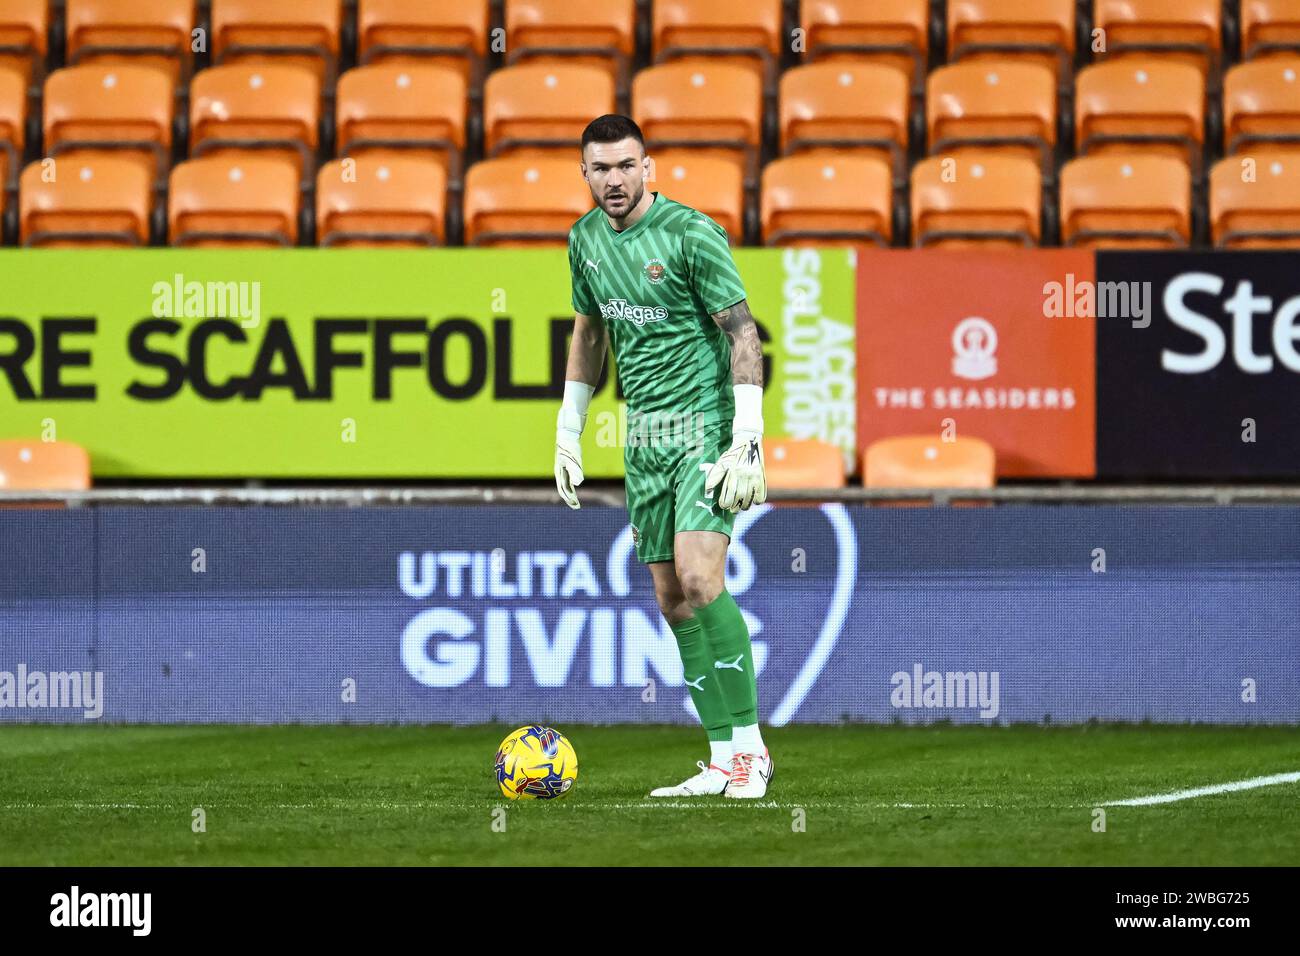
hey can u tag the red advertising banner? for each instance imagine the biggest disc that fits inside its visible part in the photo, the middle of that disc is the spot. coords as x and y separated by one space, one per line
981 344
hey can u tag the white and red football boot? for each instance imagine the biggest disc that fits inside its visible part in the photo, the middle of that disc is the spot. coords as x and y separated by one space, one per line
750 775
709 782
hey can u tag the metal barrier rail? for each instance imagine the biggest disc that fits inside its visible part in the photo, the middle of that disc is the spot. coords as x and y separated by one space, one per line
613 496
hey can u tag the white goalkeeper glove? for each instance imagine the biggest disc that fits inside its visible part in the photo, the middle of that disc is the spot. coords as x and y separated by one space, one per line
739 472
568 447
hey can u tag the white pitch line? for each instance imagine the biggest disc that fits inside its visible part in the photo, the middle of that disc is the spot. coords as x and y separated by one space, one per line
1250 784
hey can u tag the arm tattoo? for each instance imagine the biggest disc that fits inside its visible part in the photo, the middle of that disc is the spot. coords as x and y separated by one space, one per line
746 349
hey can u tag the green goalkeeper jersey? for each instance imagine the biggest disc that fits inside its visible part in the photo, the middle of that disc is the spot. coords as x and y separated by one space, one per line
656 285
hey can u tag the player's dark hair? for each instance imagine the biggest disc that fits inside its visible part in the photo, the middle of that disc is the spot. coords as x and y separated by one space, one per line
611 128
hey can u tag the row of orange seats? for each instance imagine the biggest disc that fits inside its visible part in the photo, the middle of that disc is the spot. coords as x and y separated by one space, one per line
1192 29
825 199
1118 105
906 461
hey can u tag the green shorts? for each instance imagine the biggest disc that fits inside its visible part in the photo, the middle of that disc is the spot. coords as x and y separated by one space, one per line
665 490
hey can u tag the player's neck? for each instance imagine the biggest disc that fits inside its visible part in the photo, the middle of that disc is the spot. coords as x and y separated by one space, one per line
633 215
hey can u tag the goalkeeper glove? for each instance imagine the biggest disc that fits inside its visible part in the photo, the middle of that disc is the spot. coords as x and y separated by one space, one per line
568 447
739 471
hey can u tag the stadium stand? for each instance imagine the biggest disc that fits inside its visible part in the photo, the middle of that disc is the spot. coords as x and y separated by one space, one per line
523 201
295 31
993 106
1126 202
263 107
748 83
13 127
156 33
24 37
1261 106
1259 211
984 200
560 31
43 465
413 109
896 32
386 200
1269 27
848 108
234 200
712 185
97 199
536 107
827 200
122 107
803 463
920 461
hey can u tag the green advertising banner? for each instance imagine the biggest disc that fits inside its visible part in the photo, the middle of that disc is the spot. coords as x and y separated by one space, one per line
358 363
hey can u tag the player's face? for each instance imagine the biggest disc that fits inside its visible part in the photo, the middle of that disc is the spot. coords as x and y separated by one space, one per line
616 173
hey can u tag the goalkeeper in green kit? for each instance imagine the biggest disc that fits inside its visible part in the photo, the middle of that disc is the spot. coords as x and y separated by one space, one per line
656 279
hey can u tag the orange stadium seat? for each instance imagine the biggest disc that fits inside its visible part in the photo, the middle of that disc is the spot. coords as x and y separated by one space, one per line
981 200
1141 106
523 201
548 30
713 186
1261 106
1038 30
1269 27
993 106
1257 212
24 37
271 107
923 461
119 106
707 106
149 32
247 200
43 466
747 29
803 463
13 126
300 31
827 199
1182 30
385 201
1126 202
543 106
99 199
453 32
857 107
896 32
416 108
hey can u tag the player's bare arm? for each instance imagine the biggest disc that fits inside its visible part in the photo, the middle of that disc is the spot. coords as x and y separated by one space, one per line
746 349
738 476
587 350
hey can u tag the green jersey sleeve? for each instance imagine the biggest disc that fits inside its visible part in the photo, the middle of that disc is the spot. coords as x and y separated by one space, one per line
583 303
712 270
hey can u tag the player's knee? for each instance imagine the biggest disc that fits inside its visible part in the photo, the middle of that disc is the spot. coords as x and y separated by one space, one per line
673 605
699 587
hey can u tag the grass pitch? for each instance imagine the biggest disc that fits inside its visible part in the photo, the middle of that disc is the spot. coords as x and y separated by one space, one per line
427 796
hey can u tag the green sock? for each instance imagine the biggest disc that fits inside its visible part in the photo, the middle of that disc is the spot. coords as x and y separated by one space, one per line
733 658
697 666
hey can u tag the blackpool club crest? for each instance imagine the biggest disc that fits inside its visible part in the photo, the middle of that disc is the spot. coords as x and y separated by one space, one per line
654 270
